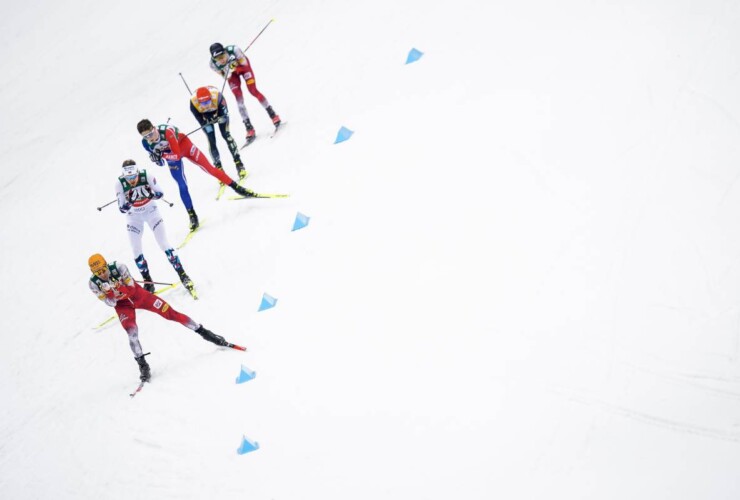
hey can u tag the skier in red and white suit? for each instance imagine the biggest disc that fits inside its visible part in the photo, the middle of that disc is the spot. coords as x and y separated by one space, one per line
112 283
230 60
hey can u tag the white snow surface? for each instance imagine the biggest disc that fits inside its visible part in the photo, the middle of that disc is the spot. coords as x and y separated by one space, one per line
520 280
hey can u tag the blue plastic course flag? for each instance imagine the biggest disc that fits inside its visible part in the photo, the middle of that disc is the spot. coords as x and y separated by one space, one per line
343 134
301 221
245 375
247 446
414 55
267 302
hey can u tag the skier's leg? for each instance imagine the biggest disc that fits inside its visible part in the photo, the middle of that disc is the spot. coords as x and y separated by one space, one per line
135 228
143 266
235 85
194 154
211 134
156 223
233 148
150 302
252 88
177 170
127 316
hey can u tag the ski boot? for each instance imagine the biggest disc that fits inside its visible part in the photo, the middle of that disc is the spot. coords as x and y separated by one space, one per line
193 219
240 168
251 134
187 282
275 118
242 191
149 287
211 337
144 372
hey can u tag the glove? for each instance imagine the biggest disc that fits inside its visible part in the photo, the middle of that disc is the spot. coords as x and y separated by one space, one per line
125 292
156 157
157 195
108 290
212 120
233 65
125 208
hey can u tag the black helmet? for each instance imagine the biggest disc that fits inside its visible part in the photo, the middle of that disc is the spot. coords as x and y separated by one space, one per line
216 49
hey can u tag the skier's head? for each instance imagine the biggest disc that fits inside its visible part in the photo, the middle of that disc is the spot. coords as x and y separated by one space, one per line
204 96
148 131
130 171
98 265
216 50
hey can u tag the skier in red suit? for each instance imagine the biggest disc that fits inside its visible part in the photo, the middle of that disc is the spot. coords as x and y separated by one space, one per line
230 60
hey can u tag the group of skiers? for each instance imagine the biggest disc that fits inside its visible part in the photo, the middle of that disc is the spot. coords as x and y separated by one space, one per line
137 192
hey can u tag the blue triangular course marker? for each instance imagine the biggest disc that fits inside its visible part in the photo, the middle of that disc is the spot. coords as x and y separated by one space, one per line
301 221
247 446
343 134
267 302
245 375
414 55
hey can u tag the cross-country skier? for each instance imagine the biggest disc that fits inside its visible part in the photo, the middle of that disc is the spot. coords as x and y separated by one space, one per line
166 142
112 283
209 107
136 193
231 61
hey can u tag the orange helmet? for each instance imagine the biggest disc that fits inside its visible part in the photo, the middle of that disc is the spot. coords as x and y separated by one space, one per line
97 263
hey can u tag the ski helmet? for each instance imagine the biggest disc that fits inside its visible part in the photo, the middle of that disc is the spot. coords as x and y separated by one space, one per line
97 263
216 50
204 95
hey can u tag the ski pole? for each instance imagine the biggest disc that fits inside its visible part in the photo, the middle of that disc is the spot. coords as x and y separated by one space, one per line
258 34
186 84
193 131
154 283
226 74
100 209
226 77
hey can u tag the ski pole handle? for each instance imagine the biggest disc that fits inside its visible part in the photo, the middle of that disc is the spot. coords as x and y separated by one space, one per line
100 209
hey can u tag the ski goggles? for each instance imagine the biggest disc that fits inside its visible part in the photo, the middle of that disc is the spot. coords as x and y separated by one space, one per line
150 135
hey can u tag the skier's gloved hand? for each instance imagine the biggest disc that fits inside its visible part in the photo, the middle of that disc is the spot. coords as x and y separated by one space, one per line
108 290
125 208
157 195
156 157
125 292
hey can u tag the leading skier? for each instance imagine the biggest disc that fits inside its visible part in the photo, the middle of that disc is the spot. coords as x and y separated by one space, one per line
231 63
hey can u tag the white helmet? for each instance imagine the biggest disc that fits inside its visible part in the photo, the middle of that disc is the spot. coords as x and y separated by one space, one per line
130 170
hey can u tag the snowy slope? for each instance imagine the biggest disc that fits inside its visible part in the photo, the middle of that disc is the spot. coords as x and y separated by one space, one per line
520 278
